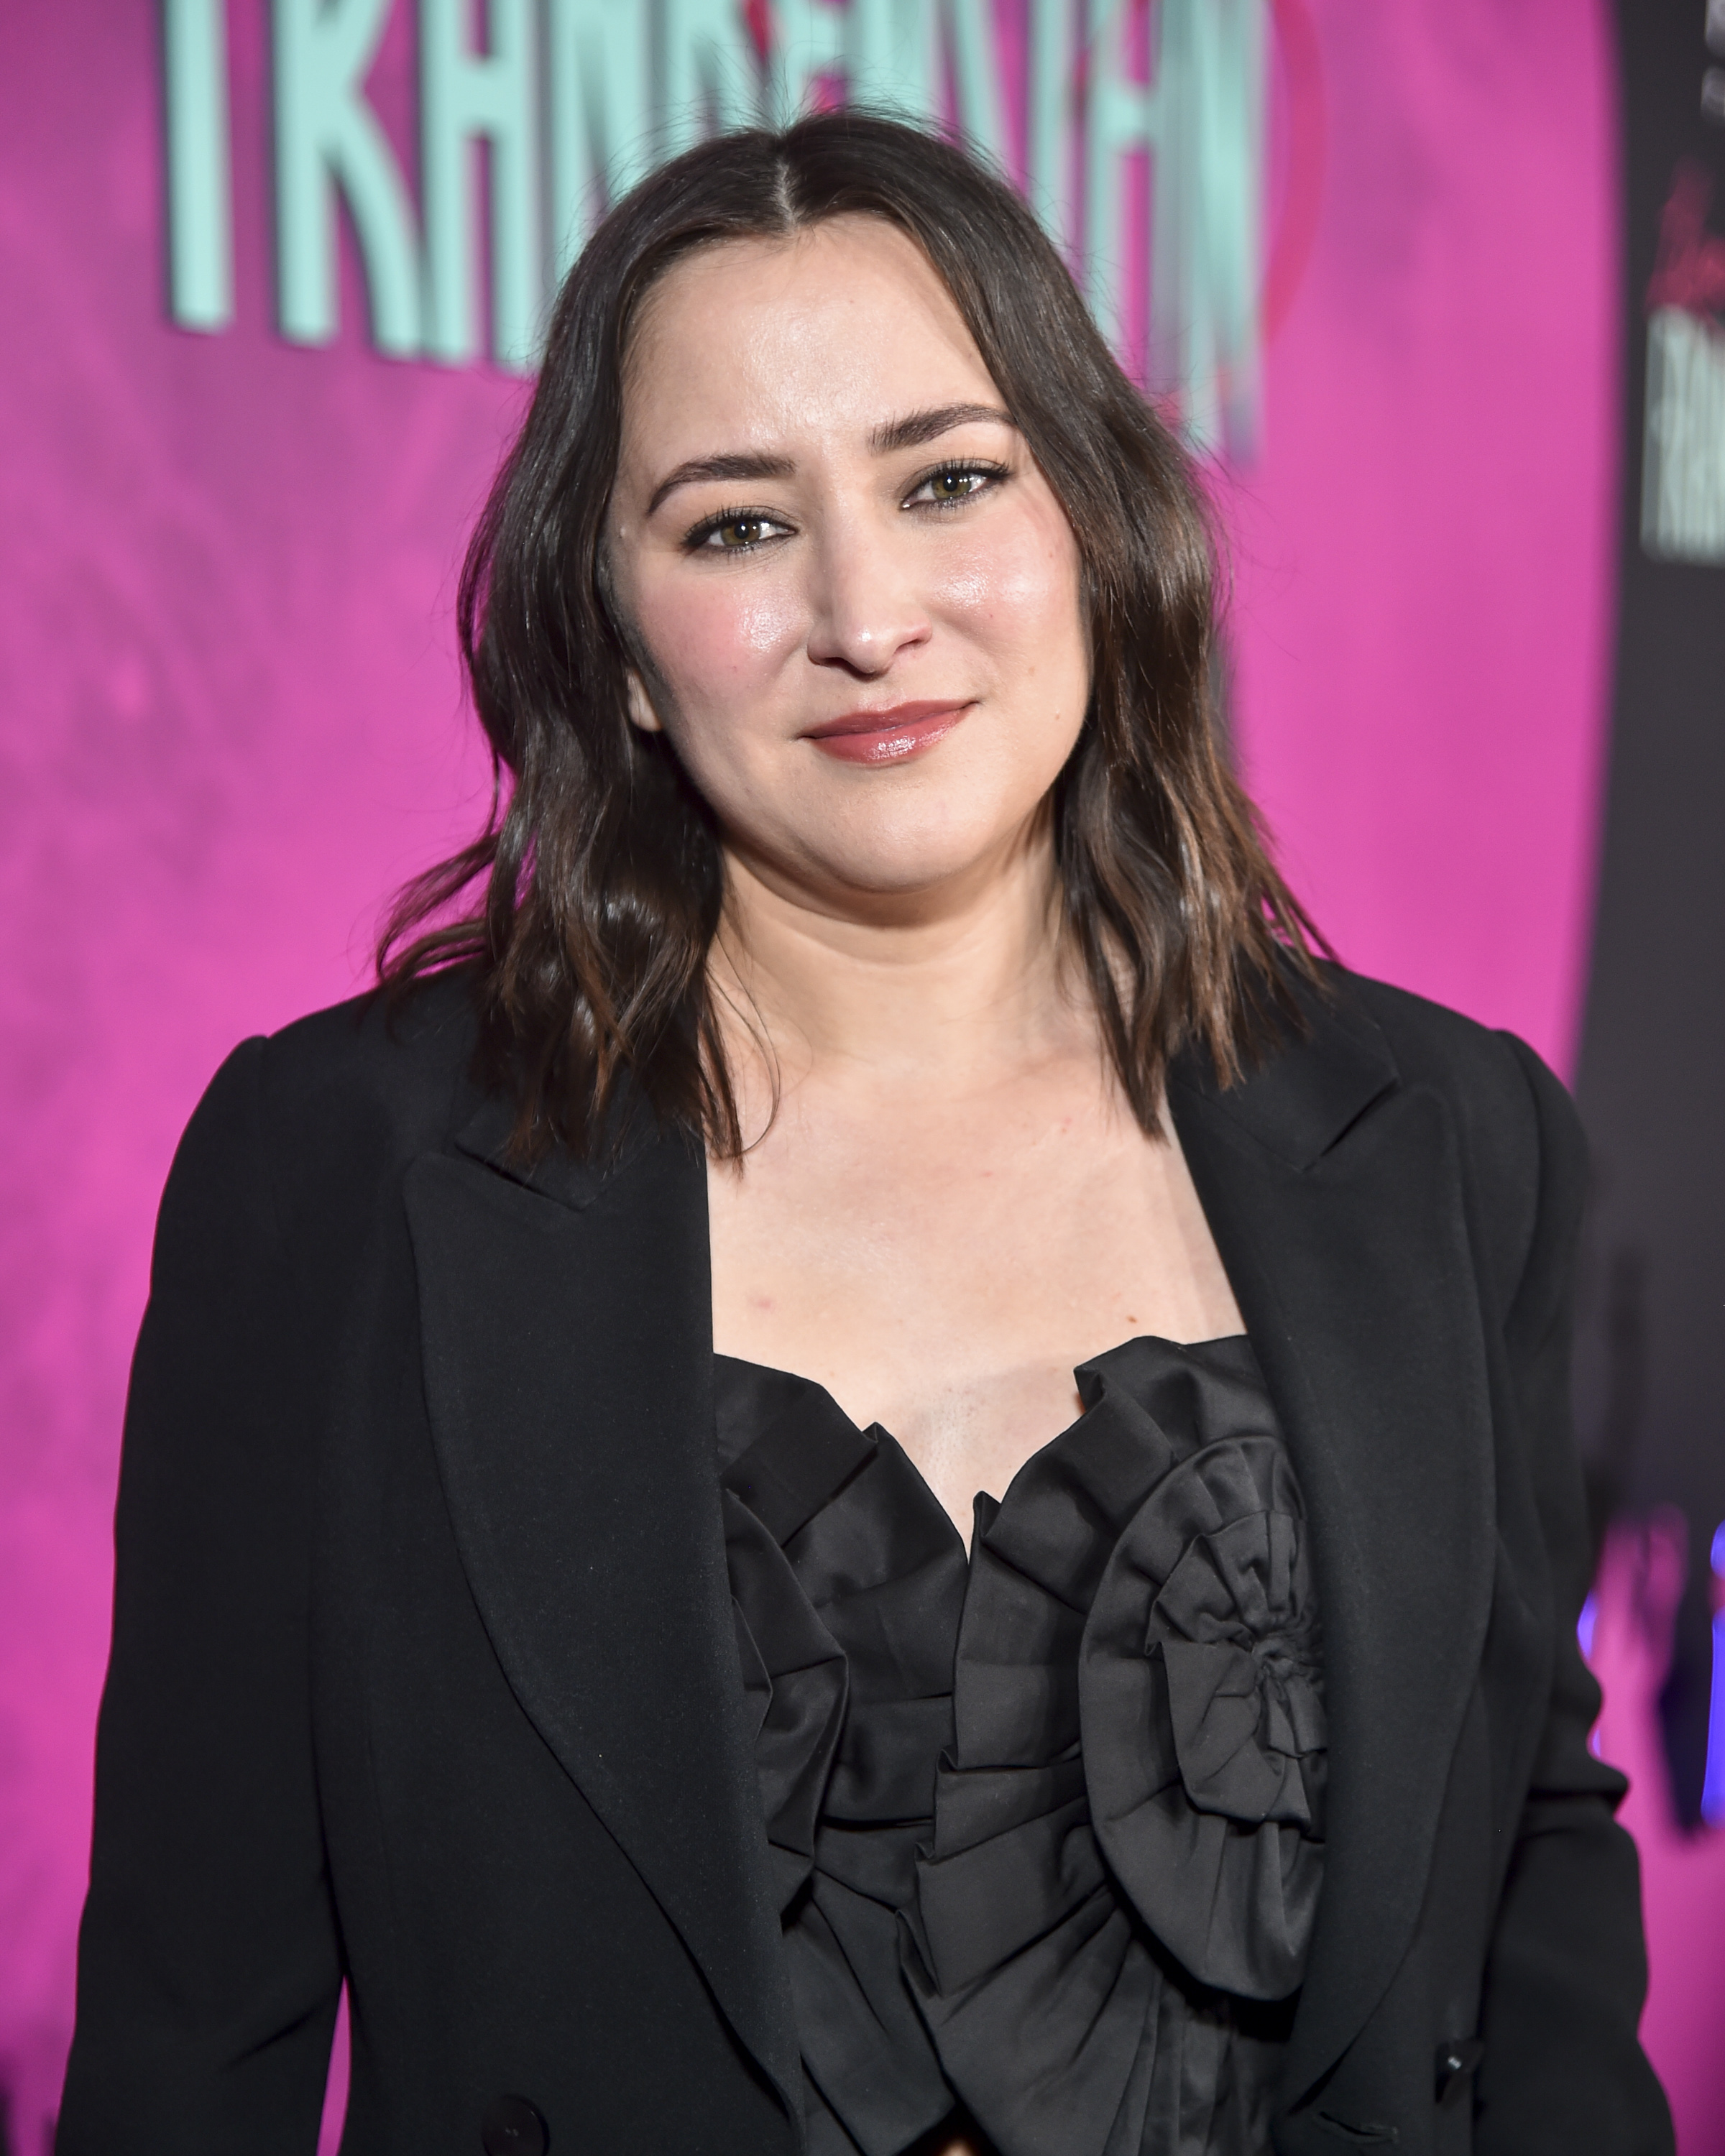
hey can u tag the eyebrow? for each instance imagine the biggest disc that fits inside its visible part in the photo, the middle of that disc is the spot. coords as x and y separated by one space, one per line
707 468
909 433
917 427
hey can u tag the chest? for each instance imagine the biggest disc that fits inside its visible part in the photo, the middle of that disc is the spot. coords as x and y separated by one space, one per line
568 1385
942 1271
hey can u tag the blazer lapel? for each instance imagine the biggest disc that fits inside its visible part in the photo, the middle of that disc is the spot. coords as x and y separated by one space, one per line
1334 1194
566 1323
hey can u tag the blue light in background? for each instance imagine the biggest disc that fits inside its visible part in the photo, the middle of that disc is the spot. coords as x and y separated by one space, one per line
1712 1789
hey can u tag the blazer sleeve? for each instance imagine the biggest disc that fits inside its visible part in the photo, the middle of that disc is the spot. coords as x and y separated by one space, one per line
208 1970
1562 2071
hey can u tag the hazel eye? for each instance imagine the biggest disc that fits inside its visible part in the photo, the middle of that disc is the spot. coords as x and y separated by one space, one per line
733 534
955 483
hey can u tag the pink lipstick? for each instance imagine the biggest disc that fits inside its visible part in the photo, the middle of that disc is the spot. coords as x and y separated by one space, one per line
887 737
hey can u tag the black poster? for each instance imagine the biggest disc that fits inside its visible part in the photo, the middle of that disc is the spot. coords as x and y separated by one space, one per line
1651 1355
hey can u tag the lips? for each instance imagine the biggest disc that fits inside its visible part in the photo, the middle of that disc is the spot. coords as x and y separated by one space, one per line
887 737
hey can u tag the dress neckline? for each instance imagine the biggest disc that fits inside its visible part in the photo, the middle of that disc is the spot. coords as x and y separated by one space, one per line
790 1391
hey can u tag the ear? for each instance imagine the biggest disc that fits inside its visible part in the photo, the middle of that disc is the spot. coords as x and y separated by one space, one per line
641 712
641 715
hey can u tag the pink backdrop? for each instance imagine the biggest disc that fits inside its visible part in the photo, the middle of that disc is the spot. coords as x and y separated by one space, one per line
1426 541
229 716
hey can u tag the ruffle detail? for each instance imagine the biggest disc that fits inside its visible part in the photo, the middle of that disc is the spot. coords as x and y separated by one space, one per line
795 1681
1114 1910
1205 1744
1046 1827
847 1580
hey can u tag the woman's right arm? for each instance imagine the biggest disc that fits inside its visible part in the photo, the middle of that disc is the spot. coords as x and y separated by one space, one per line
209 1968
1563 2070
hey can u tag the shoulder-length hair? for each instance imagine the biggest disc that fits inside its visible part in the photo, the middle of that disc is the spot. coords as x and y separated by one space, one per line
603 875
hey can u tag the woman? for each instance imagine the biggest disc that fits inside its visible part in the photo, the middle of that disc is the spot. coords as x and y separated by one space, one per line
553 1593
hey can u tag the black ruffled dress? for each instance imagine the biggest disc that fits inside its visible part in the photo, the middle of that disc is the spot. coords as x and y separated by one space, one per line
1047 1822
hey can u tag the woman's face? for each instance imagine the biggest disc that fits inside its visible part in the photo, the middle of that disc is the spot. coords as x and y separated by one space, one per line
855 598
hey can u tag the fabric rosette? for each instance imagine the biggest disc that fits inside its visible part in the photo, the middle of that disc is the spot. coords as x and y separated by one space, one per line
1114 1909
1203 1719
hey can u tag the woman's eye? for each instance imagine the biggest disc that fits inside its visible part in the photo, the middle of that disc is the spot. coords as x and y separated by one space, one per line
957 483
734 533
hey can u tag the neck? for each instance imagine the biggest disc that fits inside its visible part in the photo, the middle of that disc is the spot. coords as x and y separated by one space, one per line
955 987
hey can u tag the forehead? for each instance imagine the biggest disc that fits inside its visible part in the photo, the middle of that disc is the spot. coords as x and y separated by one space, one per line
844 324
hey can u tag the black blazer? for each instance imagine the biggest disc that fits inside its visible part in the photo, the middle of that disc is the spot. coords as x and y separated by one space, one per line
423 1673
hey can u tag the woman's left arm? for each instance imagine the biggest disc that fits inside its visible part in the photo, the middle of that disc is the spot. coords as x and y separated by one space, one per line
1563 2070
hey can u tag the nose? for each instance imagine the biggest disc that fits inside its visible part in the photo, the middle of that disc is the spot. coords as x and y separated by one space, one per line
866 607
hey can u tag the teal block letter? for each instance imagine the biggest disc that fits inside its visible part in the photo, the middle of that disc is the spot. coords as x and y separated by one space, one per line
600 60
327 138
466 98
200 174
712 81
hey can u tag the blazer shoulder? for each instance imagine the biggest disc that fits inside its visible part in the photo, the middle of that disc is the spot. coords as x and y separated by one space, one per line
1491 1074
1432 1042
1524 1154
388 1078
310 1130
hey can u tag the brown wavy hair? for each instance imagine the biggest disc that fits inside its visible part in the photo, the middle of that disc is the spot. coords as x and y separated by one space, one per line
601 876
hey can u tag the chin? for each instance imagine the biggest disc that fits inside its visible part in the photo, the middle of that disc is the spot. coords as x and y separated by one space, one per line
910 866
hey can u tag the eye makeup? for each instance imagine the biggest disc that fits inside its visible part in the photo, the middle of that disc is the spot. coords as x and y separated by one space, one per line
756 527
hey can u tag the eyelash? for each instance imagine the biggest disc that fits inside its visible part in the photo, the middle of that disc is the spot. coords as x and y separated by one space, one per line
699 537
962 468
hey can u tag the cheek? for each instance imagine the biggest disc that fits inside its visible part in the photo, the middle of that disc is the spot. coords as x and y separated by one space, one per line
1017 589
712 638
